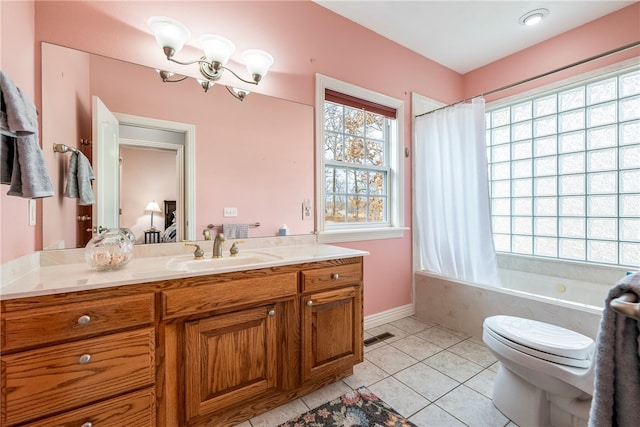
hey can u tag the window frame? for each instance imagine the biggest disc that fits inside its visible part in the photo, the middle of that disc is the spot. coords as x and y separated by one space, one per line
585 79
394 227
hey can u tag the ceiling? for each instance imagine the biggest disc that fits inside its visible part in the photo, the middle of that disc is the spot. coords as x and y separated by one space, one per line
465 35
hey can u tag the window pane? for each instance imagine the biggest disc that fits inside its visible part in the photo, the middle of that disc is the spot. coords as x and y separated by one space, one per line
375 153
521 111
335 180
335 209
333 146
546 186
374 127
356 209
546 206
630 109
570 142
354 121
501 224
601 137
598 183
630 83
357 181
630 254
630 229
572 249
521 131
521 168
571 184
601 114
545 126
572 206
630 133
573 120
501 153
630 181
501 135
333 117
602 160
523 206
522 244
354 150
605 229
545 106
602 91
630 157
602 206
522 225
522 187
377 209
546 246
545 146
545 166
501 207
501 189
501 170
377 183
500 117
572 227
502 242
522 150
630 205
571 163
572 98
606 252
546 226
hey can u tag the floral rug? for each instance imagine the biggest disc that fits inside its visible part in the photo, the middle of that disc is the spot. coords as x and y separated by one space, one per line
359 408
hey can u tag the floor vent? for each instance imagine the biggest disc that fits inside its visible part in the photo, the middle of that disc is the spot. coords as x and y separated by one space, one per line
383 336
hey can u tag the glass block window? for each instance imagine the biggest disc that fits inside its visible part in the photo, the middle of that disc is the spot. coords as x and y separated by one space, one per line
565 172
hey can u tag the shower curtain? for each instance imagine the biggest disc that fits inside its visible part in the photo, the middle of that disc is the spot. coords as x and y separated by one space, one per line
453 218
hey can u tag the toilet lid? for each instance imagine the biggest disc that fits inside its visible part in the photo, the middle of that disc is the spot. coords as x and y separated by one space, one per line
542 336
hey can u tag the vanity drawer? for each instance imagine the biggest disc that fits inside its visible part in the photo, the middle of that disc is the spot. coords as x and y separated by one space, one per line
331 277
198 296
133 409
56 378
35 327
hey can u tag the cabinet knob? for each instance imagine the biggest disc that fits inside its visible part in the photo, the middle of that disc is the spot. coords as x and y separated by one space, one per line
272 313
309 303
87 424
84 319
84 359
335 276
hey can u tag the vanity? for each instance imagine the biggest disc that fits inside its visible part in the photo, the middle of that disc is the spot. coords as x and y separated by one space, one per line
172 341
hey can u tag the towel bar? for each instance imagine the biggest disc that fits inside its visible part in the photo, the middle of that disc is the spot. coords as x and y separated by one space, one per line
256 224
61 148
627 304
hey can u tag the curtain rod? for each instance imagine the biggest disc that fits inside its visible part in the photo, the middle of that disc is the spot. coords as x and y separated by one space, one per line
539 76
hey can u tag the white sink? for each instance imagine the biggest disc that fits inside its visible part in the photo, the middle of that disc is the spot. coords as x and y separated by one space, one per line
243 259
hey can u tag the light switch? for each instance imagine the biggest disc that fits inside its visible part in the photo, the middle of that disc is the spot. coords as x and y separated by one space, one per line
228 212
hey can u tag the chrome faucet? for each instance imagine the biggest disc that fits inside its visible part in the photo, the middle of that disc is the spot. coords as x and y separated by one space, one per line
217 245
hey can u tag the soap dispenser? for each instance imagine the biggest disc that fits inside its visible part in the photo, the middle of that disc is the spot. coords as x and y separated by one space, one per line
283 231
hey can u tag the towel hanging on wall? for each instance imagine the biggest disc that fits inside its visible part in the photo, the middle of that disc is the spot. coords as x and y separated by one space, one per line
235 231
22 164
79 179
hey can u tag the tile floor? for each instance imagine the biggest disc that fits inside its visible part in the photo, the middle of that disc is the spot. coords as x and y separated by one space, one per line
432 375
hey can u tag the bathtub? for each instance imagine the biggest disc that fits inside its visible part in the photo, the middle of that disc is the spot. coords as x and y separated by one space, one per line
564 294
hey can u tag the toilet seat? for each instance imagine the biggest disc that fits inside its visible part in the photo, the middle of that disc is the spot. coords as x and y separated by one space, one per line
542 340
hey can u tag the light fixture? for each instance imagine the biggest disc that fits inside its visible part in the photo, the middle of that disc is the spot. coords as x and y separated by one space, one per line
533 17
171 35
152 207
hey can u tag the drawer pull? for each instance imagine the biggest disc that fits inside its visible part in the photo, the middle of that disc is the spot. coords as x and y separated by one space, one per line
272 313
84 359
309 303
84 320
87 424
335 276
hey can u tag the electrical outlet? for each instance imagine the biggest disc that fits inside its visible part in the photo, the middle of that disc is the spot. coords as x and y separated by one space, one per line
228 212
32 212
306 209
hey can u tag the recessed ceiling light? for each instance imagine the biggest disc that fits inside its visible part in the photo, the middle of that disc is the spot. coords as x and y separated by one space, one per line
533 17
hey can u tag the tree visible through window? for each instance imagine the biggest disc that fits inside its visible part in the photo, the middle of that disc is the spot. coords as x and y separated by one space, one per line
356 165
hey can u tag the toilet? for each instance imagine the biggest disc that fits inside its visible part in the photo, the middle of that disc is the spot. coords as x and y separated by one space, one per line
546 372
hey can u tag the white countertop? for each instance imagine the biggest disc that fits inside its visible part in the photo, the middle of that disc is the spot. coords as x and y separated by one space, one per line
74 275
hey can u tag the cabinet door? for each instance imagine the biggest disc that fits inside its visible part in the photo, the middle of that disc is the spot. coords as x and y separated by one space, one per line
229 359
331 332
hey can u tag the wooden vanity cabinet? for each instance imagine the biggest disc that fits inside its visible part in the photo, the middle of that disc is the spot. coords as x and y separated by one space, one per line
332 320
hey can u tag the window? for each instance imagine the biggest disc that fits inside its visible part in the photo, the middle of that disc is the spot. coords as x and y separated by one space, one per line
565 172
359 166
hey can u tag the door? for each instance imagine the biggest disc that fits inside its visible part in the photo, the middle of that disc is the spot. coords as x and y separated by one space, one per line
331 332
230 359
106 166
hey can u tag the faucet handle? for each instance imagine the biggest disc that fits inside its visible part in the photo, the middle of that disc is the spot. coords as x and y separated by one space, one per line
198 253
207 234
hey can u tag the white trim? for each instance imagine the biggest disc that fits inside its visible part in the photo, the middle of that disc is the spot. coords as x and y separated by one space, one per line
187 202
387 316
396 163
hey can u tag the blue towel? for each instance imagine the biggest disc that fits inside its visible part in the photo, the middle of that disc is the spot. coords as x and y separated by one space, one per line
22 164
79 179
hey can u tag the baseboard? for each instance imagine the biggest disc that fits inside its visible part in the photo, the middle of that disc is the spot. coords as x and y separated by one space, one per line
378 319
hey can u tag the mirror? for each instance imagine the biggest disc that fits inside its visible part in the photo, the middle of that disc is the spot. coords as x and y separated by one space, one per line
255 157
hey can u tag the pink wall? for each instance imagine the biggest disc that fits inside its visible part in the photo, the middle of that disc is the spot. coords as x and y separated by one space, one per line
17 59
314 42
